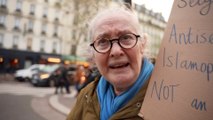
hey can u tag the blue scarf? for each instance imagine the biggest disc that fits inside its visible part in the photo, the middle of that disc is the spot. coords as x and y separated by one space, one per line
109 102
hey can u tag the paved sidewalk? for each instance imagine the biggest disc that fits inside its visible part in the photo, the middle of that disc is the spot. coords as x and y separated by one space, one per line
63 102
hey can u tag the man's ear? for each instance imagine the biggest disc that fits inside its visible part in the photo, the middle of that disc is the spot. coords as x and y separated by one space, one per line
143 42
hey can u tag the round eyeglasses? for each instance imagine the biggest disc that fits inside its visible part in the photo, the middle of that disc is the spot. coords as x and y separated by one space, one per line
126 41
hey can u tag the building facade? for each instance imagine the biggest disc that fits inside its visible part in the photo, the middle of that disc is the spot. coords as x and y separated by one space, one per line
153 24
31 32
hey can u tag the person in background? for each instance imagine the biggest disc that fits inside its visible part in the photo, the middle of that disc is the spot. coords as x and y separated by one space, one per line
61 80
118 51
66 79
91 74
80 77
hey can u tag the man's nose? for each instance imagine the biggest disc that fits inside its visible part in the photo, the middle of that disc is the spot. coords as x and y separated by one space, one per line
116 49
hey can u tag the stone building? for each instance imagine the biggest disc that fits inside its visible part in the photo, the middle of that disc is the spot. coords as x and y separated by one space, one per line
47 31
154 25
31 32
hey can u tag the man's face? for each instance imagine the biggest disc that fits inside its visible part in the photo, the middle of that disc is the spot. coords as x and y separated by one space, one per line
121 67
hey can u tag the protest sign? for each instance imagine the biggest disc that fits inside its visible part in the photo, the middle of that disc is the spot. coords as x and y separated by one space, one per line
181 85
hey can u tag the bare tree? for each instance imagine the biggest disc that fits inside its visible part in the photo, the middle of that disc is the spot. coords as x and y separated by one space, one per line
82 10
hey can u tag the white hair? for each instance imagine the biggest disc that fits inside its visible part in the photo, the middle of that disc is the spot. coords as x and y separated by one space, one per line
113 11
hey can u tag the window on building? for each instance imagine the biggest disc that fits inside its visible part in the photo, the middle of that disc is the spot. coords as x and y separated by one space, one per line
1 61
1 40
42 45
44 29
3 3
54 47
32 9
15 41
2 20
14 64
17 24
55 31
30 26
18 5
29 43
45 12
56 15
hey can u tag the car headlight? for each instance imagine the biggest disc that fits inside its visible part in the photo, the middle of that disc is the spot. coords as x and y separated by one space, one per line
44 76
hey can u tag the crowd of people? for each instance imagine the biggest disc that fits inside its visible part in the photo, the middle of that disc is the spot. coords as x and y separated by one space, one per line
76 75
62 80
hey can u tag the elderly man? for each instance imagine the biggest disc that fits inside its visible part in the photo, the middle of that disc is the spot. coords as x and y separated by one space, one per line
118 51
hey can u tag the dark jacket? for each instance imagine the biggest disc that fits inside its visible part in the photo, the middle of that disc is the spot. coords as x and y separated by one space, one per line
87 106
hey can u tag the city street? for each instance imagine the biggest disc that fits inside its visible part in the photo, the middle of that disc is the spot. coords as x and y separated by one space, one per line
22 101
17 107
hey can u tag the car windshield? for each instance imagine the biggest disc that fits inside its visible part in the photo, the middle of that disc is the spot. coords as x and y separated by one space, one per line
35 67
50 68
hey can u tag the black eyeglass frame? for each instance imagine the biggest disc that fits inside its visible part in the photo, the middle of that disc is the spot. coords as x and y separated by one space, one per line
118 41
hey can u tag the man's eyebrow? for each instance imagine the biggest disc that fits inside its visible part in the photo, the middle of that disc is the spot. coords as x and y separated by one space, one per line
103 35
107 35
124 32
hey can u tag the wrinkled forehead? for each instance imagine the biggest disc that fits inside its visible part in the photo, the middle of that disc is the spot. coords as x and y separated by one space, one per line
112 15
114 26
124 18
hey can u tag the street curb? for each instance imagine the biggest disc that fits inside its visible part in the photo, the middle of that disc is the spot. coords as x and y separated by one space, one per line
54 102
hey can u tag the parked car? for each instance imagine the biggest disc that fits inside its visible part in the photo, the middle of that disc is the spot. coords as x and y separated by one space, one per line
45 77
26 74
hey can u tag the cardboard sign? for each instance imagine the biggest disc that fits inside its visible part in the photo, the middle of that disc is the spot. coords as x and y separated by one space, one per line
181 86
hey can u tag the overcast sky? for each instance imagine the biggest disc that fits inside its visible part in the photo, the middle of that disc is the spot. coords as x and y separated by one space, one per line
160 6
